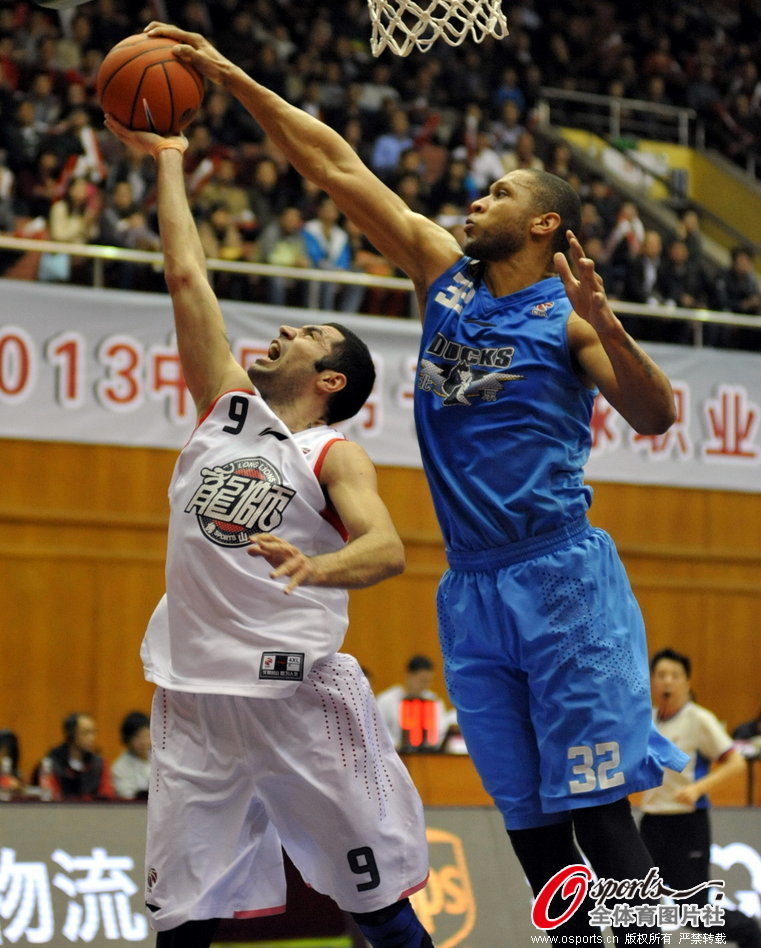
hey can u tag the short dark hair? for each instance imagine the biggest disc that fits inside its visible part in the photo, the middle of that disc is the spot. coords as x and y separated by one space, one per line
553 193
352 358
419 663
133 722
672 656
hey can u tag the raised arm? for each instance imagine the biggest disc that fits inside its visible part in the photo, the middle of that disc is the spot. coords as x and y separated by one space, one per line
207 362
418 246
374 551
607 355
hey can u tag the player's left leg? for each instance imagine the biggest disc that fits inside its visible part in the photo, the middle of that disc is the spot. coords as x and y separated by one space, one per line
396 926
343 802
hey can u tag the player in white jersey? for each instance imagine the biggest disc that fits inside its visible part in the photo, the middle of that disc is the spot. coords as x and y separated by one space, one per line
264 736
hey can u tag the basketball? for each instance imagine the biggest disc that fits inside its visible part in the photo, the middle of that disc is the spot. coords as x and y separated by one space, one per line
143 85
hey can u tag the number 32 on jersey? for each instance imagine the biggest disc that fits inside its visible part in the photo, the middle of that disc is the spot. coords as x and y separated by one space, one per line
596 767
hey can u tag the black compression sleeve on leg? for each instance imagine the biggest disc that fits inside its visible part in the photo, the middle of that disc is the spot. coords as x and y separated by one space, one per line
542 851
194 934
611 842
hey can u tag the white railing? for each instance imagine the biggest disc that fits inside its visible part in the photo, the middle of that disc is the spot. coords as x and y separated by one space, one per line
617 118
698 319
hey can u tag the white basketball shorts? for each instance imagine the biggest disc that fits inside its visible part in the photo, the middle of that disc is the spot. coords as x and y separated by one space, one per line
234 778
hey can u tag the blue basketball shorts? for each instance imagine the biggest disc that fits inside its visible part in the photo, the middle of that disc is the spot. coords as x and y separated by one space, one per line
545 659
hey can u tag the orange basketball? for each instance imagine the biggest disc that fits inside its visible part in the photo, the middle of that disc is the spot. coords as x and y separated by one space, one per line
143 84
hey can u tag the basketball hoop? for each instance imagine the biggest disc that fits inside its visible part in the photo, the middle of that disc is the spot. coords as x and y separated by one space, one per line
403 25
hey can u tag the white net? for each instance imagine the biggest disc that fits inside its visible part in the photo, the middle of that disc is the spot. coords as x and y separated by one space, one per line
403 25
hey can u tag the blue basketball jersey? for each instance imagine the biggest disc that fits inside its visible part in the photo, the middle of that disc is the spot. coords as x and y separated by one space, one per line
502 419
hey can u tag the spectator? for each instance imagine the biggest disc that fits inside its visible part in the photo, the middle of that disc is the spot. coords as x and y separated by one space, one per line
642 272
72 219
682 279
524 155
123 223
282 244
624 243
749 730
388 147
328 247
79 772
422 724
738 291
456 186
507 129
9 747
268 194
485 162
131 771
222 187
221 240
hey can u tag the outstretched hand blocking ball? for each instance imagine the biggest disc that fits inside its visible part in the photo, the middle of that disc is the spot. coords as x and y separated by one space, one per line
143 85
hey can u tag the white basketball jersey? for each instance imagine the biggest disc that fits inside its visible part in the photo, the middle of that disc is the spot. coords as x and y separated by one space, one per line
224 626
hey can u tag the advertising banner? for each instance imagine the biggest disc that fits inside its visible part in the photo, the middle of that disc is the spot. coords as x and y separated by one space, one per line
73 874
100 366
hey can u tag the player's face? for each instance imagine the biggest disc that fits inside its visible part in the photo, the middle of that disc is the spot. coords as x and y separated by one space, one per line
291 358
670 685
497 224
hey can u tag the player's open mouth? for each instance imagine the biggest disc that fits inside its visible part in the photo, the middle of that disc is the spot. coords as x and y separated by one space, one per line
273 353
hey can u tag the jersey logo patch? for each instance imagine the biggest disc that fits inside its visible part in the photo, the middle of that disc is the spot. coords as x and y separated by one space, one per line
283 666
457 384
236 500
541 309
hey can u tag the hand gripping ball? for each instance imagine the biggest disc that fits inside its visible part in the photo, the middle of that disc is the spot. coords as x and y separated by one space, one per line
143 85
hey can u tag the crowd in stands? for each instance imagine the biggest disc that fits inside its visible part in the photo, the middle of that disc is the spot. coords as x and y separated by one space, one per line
437 127
75 769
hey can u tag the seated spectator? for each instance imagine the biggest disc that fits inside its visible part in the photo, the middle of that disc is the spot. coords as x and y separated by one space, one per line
682 280
642 271
388 147
282 244
486 163
124 224
623 244
749 731
222 187
738 291
507 129
79 772
456 186
131 771
221 240
523 155
72 219
9 748
424 722
328 248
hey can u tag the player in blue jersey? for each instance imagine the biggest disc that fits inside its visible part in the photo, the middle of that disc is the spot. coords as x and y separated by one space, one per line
543 642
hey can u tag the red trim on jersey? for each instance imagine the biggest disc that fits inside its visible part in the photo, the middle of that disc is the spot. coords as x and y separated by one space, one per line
329 513
415 888
260 913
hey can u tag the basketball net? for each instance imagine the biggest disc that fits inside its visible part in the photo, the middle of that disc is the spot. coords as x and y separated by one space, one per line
403 25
